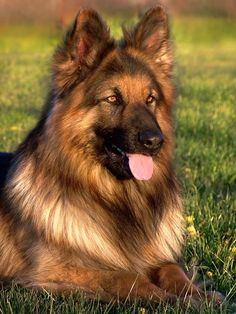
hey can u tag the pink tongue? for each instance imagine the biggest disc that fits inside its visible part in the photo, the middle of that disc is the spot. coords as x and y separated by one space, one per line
141 166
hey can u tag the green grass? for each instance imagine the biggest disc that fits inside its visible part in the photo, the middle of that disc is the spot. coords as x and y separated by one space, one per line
205 148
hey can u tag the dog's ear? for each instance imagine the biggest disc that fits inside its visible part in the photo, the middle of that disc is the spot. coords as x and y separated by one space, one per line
84 44
151 35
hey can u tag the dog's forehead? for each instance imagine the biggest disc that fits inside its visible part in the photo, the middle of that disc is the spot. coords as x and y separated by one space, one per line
133 87
123 61
129 73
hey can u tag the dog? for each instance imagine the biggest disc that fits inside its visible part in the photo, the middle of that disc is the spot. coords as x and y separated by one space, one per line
89 201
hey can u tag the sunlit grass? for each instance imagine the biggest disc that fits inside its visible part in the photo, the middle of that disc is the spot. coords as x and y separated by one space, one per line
205 76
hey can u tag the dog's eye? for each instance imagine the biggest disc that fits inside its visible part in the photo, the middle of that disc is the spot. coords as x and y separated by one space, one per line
151 99
112 99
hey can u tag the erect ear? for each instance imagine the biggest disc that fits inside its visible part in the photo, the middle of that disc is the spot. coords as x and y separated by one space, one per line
151 35
84 44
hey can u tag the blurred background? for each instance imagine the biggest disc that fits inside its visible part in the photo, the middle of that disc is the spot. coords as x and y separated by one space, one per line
60 11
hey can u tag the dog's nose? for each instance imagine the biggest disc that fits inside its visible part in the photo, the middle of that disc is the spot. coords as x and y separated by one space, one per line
151 139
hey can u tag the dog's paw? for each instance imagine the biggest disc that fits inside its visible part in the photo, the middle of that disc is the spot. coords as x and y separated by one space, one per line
196 301
215 297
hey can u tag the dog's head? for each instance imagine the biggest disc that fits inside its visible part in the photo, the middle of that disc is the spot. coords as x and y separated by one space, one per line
114 98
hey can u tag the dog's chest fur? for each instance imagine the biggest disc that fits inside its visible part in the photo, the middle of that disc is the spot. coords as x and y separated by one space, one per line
102 237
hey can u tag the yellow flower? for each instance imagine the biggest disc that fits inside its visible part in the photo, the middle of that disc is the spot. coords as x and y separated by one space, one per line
142 310
191 230
233 250
187 170
189 219
209 274
14 128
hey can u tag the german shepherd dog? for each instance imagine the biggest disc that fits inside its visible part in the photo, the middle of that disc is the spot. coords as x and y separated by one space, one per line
89 201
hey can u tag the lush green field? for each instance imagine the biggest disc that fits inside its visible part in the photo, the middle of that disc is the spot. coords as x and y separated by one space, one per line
205 148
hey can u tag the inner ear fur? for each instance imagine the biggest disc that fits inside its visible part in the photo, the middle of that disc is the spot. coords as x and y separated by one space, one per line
85 43
151 35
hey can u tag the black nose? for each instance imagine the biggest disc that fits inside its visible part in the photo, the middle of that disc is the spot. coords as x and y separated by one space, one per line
151 139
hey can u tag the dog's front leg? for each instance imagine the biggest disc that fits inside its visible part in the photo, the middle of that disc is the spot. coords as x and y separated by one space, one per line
108 285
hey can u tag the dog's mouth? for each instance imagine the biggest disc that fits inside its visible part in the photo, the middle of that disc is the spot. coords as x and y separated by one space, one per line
138 165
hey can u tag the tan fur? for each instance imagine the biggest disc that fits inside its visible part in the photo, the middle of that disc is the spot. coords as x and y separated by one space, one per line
66 221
